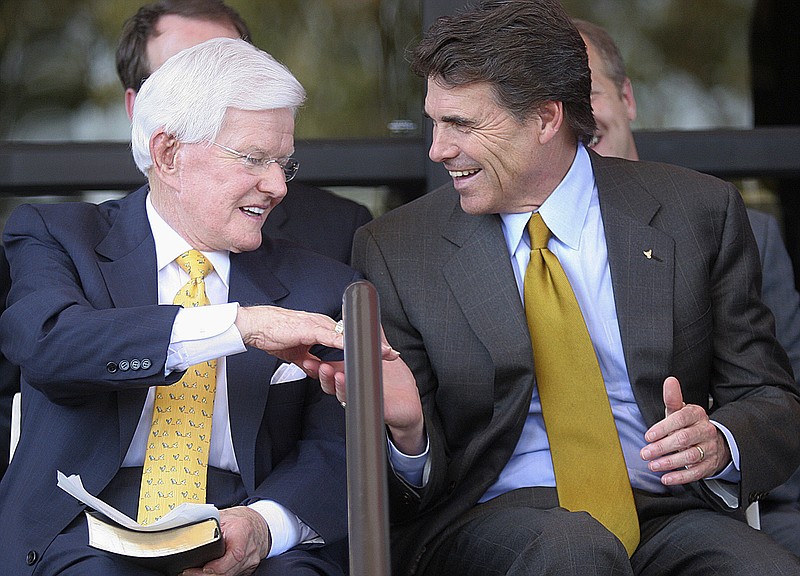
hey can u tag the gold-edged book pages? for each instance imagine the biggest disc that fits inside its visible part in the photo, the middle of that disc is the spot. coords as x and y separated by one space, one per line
170 551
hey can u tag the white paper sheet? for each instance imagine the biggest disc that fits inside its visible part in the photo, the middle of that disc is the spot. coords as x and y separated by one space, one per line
183 514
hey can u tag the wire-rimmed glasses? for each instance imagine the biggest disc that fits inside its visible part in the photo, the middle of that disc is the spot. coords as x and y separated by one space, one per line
256 162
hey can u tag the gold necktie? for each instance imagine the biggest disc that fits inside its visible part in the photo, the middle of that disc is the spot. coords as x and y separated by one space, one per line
176 458
584 444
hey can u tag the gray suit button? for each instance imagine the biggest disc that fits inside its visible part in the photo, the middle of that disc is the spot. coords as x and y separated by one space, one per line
111 367
146 363
124 365
135 364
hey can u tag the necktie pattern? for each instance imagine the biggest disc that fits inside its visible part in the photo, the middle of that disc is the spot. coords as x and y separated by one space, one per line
176 457
584 444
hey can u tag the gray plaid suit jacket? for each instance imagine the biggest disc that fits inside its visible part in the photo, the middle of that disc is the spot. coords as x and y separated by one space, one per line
450 305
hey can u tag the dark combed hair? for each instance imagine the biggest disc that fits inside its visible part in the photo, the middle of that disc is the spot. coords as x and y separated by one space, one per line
132 65
527 50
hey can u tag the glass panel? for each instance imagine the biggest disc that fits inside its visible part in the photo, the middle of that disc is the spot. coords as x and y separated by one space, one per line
58 79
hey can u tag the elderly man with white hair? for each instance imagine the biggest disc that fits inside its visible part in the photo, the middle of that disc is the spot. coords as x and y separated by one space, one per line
166 308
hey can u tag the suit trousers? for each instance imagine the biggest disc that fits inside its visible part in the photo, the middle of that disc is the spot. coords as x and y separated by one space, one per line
525 533
70 555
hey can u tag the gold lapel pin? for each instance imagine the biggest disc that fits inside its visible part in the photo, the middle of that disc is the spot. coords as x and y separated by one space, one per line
649 255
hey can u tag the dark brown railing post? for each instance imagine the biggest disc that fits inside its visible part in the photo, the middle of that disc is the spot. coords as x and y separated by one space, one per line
368 513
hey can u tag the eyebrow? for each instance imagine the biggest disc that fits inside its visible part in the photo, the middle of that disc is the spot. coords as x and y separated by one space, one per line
454 119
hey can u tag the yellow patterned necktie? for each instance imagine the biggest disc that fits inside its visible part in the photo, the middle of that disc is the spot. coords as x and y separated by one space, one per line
176 458
584 444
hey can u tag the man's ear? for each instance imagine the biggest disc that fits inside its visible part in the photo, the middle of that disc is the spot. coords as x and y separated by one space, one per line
164 152
130 96
551 116
628 99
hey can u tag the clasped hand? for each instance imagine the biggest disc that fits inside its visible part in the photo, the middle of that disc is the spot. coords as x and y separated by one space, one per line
685 444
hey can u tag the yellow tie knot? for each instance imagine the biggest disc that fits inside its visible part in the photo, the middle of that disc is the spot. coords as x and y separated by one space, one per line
538 231
195 264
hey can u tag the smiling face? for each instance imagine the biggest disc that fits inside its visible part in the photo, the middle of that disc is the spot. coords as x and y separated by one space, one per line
613 110
498 163
209 196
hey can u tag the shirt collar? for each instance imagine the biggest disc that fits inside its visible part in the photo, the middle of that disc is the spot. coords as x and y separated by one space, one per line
565 209
170 244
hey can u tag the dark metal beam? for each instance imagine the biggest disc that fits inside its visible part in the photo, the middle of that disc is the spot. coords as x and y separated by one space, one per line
769 152
32 168
70 167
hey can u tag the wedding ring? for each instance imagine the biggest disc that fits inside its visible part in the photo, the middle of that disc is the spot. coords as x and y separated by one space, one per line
339 328
702 453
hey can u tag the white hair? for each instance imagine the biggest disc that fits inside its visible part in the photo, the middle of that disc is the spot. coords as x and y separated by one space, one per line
189 94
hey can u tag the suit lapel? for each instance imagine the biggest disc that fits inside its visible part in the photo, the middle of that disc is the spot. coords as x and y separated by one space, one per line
482 281
252 282
642 263
127 261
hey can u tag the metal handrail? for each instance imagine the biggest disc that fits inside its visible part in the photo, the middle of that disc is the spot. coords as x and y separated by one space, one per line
367 492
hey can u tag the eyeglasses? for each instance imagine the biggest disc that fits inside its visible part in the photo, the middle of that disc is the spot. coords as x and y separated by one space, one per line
255 162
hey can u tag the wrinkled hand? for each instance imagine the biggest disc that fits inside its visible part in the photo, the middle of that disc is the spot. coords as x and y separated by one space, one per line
674 440
247 542
288 334
402 408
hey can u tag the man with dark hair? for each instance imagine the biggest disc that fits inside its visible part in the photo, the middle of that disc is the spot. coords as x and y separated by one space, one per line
312 217
566 318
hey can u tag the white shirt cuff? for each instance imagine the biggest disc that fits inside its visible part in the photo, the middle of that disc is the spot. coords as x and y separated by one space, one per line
286 529
203 333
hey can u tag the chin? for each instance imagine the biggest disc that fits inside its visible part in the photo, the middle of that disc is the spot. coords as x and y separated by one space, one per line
475 206
248 246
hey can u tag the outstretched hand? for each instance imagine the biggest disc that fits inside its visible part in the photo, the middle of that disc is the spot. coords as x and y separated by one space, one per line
402 407
685 444
290 334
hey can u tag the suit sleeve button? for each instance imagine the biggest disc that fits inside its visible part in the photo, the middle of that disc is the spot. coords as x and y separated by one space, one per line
146 363
135 364
111 367
31 558
124 365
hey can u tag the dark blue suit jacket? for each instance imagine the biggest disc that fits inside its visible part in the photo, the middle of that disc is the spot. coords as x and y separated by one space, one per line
83 297
309 216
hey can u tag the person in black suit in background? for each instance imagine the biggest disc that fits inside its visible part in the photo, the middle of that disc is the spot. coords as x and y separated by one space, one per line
614 108
314 218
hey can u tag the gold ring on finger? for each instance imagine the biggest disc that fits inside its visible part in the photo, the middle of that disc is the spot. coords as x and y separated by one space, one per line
702 453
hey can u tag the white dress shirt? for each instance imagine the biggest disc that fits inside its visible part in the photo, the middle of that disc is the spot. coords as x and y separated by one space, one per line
200 334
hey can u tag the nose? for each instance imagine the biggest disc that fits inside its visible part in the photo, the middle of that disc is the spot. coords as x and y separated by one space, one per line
441 147
272 181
